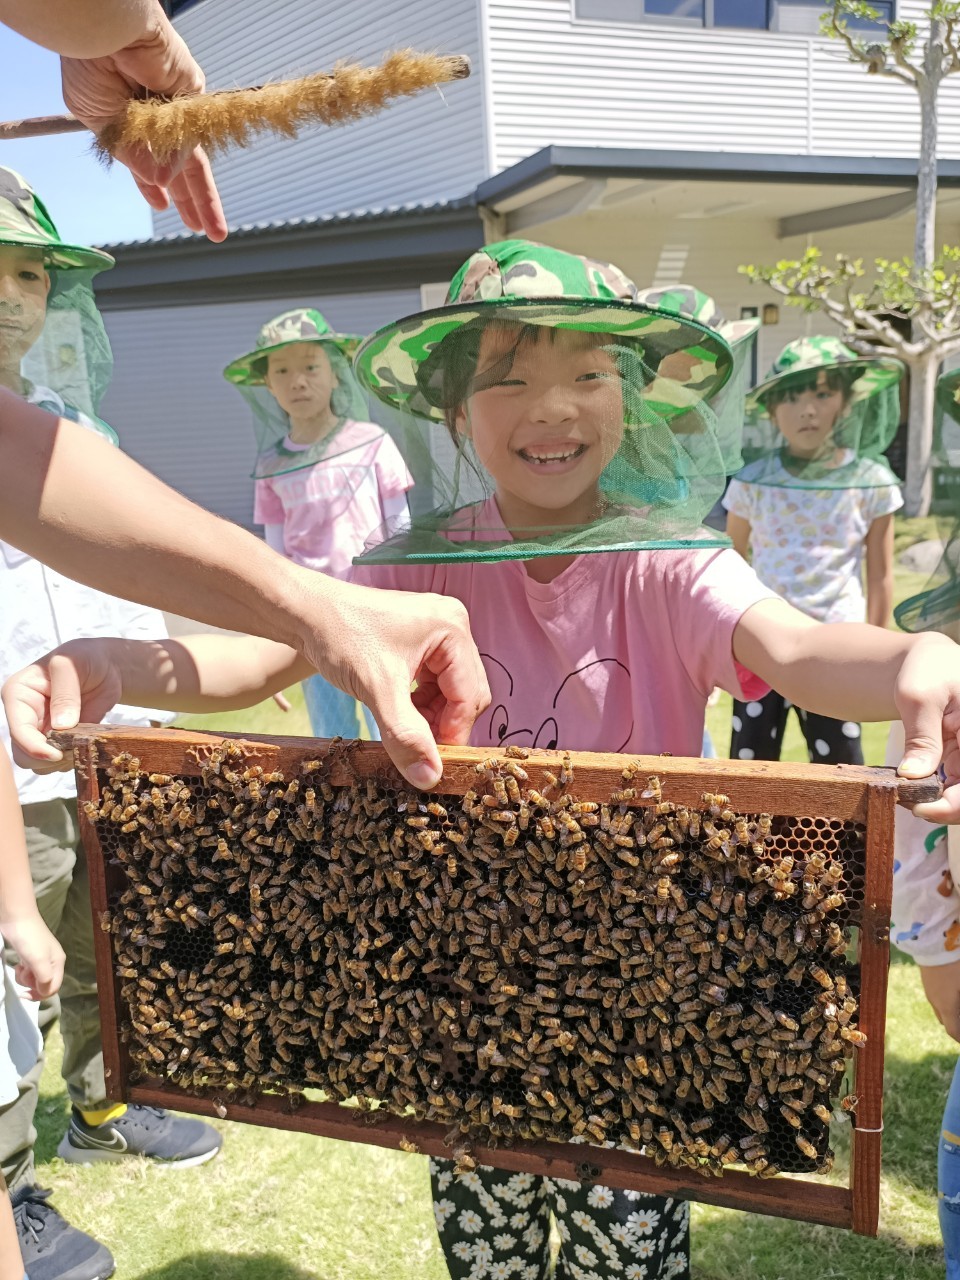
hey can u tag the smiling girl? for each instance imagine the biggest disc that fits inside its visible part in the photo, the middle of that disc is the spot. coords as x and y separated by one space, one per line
573 459
814 507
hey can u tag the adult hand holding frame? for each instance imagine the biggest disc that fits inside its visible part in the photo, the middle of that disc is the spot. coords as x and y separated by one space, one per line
232 117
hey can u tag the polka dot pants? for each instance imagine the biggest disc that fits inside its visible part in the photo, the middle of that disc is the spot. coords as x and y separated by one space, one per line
758 733
495 1225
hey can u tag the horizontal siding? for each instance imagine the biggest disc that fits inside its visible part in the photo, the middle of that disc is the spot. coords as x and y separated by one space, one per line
428 147
564 82
175 413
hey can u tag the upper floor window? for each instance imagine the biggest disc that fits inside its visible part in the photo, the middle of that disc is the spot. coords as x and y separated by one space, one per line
173 7
799 17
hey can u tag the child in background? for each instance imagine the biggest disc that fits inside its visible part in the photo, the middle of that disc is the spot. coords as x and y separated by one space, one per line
925 913
325 477
810 509
603 614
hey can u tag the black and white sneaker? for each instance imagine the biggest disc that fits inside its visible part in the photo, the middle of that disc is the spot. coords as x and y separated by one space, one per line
168 1139
51 1248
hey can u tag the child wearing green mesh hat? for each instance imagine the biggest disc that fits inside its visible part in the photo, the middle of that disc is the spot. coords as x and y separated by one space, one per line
813 507
604 617
324 476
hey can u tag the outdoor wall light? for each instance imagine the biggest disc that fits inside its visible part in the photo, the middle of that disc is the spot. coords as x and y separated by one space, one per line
770 313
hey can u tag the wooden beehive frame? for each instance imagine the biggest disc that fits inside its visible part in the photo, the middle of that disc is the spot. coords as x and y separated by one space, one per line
866 796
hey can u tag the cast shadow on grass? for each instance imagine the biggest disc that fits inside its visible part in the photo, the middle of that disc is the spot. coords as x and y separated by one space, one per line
228 1266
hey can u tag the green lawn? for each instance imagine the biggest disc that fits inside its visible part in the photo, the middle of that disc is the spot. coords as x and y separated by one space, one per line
276 1206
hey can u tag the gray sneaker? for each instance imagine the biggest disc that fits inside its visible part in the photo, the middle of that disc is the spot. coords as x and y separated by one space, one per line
158 1135
51 1248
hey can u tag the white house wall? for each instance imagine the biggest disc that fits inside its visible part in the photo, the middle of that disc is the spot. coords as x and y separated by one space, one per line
557 80
423 148
171 406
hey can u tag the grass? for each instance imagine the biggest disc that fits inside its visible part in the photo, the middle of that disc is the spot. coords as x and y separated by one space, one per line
278 1206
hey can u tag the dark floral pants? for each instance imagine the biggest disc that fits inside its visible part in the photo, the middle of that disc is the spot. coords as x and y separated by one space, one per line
495 1225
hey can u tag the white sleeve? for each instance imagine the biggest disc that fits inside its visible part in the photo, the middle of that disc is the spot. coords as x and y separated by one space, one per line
925 911
273 537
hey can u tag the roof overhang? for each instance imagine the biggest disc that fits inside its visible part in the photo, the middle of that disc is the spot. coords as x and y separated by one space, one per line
798 194
388 248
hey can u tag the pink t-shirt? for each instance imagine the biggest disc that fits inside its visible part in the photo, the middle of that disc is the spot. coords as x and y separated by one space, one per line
329 509
619 653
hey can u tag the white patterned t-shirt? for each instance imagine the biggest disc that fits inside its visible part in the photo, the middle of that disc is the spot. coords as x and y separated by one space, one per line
808 544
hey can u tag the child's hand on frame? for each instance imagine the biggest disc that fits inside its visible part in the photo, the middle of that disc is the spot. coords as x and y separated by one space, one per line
941 986
41 956
927 694
76 682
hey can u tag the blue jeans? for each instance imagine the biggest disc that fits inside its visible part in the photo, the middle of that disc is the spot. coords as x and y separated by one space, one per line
333 713
948 1178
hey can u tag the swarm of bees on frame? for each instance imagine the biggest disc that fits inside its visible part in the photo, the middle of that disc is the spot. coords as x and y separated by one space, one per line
513 963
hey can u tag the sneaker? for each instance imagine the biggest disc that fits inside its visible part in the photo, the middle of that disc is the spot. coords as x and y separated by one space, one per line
158 1135
51 1248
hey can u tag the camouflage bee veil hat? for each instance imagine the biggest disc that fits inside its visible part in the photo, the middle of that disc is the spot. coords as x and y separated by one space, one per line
71 357
851 456
937 607
345 401
729 402
539 342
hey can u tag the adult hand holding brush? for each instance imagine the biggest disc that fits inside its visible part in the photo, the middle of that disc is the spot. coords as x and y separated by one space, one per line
113 51
145 101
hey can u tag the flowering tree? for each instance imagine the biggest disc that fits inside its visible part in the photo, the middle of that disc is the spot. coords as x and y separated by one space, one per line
924 289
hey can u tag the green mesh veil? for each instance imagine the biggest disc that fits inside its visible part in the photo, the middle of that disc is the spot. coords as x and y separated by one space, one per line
543 411
946 427
276 455
728 404
72 356
937 607
852 455
68 367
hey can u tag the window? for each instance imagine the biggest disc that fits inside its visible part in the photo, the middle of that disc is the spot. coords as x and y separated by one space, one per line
172 7
798 17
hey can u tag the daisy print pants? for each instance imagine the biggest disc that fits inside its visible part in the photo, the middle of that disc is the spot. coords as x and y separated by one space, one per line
495 1225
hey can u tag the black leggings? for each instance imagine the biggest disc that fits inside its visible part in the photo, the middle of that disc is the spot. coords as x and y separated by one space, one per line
758 733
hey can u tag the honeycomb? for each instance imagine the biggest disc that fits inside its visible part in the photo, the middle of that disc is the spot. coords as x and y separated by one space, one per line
513 964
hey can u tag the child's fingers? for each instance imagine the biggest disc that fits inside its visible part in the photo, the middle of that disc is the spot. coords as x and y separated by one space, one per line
66 697
25 702
946 809
41 978
923 740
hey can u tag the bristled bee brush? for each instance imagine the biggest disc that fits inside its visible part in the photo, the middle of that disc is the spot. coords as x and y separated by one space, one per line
232 117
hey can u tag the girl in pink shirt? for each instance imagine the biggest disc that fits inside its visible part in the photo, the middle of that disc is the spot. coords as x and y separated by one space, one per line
568 421
325 477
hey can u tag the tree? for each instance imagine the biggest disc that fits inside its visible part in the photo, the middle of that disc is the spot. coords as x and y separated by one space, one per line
924 289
